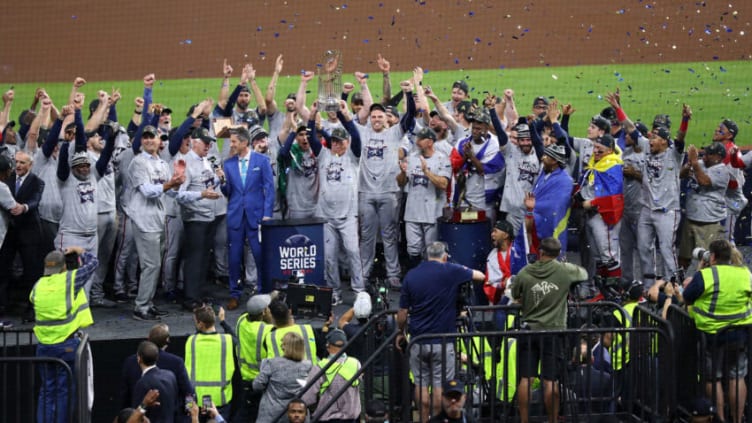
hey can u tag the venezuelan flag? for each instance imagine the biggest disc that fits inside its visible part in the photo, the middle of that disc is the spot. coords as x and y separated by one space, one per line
607 177
552 201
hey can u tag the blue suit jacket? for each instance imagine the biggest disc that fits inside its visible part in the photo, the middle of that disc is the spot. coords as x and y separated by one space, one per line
255 199
166 361
164 381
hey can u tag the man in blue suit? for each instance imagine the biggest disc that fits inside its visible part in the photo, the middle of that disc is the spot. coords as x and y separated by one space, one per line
155 378
249 187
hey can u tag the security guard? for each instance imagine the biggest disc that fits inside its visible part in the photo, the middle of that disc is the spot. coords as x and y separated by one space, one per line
346 408
209 359
251 328
61 309
721 297
284 323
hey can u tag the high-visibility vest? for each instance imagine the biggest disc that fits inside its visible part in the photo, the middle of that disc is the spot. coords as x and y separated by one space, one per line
250 345
725 300
478 351
620 344
506 371
58 309
273 341
208 360
345 366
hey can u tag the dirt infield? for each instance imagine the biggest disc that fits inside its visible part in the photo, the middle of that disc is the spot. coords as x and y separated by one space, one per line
54 41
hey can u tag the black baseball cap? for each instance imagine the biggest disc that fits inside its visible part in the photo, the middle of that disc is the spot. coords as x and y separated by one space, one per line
461 84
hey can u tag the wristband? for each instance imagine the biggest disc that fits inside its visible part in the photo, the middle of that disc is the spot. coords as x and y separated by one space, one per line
141 409
684 124
529 214
621 115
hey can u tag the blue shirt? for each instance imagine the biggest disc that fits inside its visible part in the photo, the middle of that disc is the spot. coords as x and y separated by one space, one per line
429 293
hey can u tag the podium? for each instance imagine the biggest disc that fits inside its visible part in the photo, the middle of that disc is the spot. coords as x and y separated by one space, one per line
292 252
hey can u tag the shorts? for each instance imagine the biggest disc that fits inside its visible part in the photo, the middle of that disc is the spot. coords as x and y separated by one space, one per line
432 364
544 352
698 234
729 359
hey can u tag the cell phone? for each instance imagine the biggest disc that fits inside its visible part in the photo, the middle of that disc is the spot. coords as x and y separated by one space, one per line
71 261
190 399
206 401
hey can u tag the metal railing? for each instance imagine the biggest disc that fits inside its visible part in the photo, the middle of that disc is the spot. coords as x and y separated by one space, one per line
21 381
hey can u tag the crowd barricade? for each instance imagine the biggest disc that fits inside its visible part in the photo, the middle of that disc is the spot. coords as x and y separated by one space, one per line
700 357
20 379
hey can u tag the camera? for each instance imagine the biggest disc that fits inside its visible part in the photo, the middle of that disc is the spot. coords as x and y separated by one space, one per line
701 254
71 261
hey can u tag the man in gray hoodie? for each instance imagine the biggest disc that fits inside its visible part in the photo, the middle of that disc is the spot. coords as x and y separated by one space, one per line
542 288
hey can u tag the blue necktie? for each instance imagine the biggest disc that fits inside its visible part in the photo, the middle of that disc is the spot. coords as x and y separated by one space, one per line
243 169
19 181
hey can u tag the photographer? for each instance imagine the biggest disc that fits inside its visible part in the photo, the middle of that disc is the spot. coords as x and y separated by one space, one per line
429 296
721 297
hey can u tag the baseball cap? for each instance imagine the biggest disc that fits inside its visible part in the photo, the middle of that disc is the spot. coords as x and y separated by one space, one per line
610 114
257 132
80 158
5 163
717 149
464 107
606 140
53 262
244 89
426 133
257 304
642 128
663 132
731 126
375 408
362 307
461 85
556 152
302 128
150 130
291 96
454 386
250 118
377 106
480 117
93 106
339 134
393 110
505 226
701 406
662 120
601 123
203 135
336 337
540 100
357 98
523 131
166 111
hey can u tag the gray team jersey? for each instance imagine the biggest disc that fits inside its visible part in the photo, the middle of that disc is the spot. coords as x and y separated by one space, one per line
79 204
660 180
476 184
198 177
172 208
275 120
105 186
379 159
6 202
220 204
708 203
51 204
521 172
338 185
303 184
424 200
124 182
148 214
633 195
584 149
329 125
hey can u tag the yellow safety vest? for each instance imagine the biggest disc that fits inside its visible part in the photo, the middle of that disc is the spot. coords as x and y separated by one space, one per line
477 350
208 360
621 342
722 306
251 335
506 387
59 310
273 341
346 369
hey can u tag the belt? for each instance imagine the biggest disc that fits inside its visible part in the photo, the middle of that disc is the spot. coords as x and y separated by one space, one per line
694 222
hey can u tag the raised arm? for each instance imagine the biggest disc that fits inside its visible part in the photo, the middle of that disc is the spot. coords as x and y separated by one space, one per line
224 91
100 114
300 96
314 138
271 89
109 146
52 137
77 84
681 134
345 117
387 84
7 104
257 94
407 123
32 136
367 99
442 110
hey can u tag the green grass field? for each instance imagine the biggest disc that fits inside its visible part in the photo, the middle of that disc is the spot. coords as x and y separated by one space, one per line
715 90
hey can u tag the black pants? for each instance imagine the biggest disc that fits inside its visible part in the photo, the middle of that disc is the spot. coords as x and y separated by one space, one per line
197 245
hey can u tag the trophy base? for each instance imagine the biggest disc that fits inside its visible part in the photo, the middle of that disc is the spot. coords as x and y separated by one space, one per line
464 215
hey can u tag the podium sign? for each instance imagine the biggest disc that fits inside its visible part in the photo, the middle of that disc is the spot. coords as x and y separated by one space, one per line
292 252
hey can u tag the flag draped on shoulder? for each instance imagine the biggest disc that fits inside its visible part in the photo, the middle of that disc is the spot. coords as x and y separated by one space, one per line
607 178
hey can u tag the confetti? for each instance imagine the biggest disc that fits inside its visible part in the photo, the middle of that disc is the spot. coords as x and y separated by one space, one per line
554 77
722 69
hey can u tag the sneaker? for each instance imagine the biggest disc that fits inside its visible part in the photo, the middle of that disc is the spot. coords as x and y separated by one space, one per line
6 324
102 302
145 317
157 312
336 299
122 298
394 283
